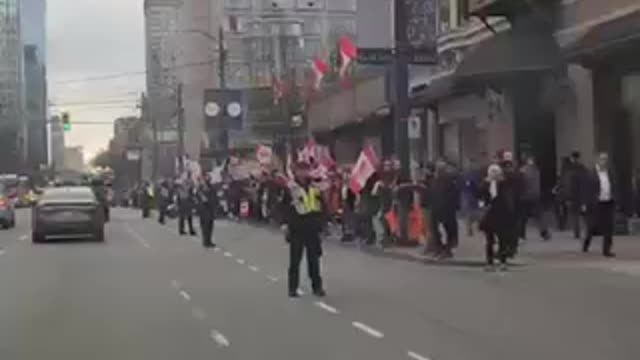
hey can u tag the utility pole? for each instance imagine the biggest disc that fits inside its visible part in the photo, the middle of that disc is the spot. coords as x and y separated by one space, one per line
401 109
222 73
180 115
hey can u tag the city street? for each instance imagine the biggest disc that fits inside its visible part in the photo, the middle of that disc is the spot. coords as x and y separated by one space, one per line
149 294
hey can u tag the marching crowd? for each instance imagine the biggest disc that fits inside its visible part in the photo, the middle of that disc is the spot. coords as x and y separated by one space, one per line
496 197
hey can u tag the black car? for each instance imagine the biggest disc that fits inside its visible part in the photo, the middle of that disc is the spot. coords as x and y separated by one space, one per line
68 213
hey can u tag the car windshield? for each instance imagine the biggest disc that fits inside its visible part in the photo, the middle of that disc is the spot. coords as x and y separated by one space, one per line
68 195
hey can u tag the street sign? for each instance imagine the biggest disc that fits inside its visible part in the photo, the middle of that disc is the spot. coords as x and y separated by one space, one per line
413 124
375 56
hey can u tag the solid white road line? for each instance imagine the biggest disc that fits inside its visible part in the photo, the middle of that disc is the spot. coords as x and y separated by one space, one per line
240 261
368 329
416 356
228 254
198 313
220 339
254 268
273 279
185 295
139 238
326 307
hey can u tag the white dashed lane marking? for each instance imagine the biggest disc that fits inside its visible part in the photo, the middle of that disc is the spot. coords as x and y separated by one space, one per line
185 295
228 254
254 268
416 356
23 238
368 330
273 279
139 238
198 313
326 307
240 261
220 339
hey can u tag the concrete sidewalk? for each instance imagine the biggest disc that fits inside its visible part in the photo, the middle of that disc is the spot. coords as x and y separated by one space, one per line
561 249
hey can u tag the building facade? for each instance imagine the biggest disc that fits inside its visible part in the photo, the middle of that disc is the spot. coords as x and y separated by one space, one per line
161 26
12 128
74 159
57 143
33 22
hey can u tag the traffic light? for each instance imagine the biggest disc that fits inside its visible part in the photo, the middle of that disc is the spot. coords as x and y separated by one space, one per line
66 123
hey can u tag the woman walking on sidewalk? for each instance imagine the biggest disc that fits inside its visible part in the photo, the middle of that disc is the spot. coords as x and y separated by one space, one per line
499 220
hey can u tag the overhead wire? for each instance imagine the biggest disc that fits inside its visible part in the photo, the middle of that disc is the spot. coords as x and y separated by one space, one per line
131 73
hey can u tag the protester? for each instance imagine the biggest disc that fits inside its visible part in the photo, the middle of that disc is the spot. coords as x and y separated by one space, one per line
445 203
472 180
349 219
599 199
207 203
383 193
302 225
572 182
561 198
498 202
531 204
513 184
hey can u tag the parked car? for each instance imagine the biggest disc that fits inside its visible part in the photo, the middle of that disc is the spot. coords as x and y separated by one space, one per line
7 210
67 213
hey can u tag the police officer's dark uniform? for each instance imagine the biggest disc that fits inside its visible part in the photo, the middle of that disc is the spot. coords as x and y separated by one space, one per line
303 221
185 208
207 204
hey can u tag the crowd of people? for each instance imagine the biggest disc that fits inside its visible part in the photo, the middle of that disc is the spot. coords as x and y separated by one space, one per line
498 197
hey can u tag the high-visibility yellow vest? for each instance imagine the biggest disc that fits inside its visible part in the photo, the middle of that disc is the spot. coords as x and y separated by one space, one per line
305 201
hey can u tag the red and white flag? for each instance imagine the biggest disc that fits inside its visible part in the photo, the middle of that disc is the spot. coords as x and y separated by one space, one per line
363 169
348 53
320 69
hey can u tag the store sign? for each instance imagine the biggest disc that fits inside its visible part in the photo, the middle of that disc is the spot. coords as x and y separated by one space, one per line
414 127
479 5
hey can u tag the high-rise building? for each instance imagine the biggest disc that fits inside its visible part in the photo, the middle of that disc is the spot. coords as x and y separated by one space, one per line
12 129
57 143
33 24
161 19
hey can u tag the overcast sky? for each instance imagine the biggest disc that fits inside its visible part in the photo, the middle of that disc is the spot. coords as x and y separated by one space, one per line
88 39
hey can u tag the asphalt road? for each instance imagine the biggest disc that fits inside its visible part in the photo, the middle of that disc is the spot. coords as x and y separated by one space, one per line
148 294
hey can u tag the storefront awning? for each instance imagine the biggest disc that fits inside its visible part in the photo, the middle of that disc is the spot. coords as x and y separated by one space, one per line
433 92
607 38
526 47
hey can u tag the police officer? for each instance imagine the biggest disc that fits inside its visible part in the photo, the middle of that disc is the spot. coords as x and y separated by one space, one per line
207 204
185 206
302 225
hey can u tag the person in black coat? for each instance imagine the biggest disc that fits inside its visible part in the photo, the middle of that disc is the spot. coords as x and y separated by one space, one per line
572 181
207 204
186 204
498 201
445 203
598 202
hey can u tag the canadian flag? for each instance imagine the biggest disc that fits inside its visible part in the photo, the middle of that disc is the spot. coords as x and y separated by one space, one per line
363 169
348 53
320 69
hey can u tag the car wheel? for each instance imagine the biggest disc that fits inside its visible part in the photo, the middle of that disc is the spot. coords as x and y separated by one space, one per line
37 238
99 236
